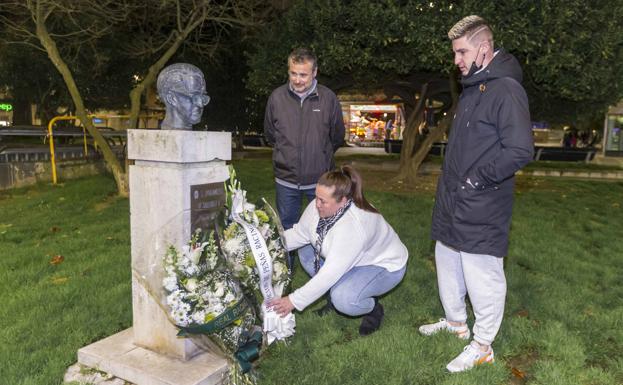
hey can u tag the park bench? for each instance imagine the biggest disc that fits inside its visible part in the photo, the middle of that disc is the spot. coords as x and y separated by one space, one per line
254 140
393 146
540 153
564 154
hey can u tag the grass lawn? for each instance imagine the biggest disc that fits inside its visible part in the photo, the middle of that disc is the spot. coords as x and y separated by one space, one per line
65 275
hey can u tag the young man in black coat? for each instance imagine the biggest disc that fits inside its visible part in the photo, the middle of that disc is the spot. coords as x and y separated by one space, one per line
490 139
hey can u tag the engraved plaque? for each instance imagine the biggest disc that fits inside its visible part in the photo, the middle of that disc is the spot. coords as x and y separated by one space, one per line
206 202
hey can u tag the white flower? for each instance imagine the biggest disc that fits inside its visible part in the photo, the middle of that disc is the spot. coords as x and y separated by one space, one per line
239 267
279 268
170 270
185 249
218 308
180 314
174 298
234 246
264 230
249 206
170 283
195 254
219 290
211 262
229 298
199 317
191 284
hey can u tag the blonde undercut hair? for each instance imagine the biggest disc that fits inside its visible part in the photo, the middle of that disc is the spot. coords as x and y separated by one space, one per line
472 27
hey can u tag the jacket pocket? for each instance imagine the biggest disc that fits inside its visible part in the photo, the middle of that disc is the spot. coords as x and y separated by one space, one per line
279 160
478 206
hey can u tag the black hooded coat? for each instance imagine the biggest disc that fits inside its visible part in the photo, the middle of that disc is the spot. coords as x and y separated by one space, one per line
490 139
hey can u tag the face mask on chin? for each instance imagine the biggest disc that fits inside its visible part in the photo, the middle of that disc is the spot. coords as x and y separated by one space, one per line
473 69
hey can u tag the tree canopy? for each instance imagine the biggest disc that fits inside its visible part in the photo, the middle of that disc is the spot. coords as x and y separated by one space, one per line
148 33
570 51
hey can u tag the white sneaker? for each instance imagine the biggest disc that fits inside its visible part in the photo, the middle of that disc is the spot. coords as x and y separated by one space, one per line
470 357
460 331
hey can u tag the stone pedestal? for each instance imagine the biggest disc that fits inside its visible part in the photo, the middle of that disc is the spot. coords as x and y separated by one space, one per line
167 164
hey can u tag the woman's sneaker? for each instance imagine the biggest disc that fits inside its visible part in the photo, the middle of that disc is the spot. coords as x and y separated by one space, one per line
470 356
460 331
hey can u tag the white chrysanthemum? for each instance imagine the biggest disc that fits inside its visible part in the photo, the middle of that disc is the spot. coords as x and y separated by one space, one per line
181 319
180 314
190 270
183 262
279 268
218 308
170 283
233 246
207 294
174 298
199 317
229 298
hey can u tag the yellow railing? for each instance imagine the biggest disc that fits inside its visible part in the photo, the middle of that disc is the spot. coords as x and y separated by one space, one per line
84 134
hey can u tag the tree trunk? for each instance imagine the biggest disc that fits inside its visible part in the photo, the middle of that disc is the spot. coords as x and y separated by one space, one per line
415 151
50 46
410 137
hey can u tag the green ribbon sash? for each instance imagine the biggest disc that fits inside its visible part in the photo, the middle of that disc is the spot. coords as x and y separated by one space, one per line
224 319
249 351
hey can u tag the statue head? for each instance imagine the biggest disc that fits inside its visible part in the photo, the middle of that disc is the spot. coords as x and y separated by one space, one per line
182 89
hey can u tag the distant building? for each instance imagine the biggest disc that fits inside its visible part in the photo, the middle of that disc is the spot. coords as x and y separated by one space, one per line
613 137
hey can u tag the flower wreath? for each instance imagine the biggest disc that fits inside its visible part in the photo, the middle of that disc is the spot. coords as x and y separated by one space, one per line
216 288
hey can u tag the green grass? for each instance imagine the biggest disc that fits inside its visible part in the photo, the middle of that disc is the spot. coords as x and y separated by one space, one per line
564 311
569 166
49 310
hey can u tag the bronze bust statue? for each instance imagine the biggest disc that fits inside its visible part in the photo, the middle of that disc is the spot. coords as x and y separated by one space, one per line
182 89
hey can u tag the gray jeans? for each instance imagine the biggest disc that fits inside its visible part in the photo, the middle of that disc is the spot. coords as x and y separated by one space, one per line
354 293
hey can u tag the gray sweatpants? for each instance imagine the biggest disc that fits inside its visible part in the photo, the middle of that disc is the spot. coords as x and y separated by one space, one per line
481 277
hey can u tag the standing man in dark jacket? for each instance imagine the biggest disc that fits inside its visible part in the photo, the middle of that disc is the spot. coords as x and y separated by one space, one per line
491 138
304 124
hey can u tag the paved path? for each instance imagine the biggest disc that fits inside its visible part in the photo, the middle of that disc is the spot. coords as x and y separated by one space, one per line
433 168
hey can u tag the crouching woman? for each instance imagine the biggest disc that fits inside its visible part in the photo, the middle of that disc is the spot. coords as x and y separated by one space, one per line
356 254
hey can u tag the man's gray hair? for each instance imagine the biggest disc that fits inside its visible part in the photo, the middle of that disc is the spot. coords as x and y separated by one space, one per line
470 26
302 55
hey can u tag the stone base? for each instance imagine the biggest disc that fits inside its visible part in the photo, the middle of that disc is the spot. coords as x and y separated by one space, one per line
118 356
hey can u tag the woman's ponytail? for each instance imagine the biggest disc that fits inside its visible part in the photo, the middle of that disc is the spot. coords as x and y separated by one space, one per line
348 183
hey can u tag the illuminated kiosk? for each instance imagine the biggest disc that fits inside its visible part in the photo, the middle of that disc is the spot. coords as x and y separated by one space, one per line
373 122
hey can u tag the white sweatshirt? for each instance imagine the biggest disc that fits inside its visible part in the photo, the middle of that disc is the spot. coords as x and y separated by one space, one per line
359 238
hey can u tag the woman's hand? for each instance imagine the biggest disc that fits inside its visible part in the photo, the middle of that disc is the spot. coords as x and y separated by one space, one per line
281 306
